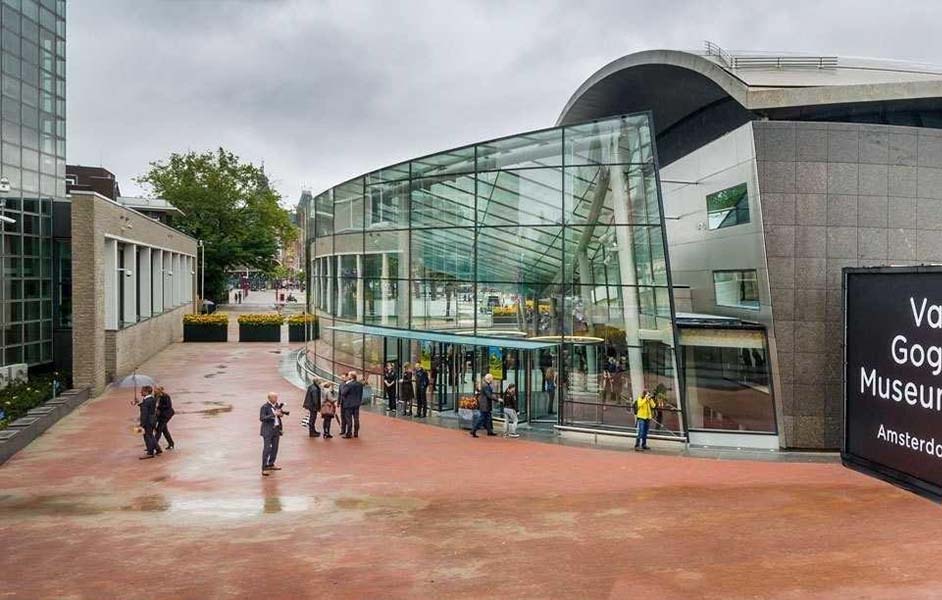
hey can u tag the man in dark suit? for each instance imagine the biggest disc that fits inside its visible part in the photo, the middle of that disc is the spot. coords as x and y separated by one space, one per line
421 389
351 397
270 415
312 402
148 406
486 401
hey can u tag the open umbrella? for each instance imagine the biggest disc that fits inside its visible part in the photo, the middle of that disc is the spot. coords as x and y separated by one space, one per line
135 381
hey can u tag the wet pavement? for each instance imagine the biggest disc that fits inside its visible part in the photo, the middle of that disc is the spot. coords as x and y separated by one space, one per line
412 511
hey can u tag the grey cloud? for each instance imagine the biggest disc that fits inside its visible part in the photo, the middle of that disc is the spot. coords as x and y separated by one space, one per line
322 91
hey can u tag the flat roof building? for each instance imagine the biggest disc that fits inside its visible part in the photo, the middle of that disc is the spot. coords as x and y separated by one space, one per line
682 229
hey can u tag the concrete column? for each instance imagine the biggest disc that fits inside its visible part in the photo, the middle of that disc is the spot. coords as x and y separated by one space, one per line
111 284
359 297
629 277
146 278
129 281
338 269
384 291
168 281
157 281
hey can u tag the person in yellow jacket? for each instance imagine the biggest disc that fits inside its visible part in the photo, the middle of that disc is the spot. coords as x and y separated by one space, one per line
644 411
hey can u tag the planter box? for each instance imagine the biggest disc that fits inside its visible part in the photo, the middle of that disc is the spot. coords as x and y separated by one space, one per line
504 320
259 333
295 333
205 333
466 417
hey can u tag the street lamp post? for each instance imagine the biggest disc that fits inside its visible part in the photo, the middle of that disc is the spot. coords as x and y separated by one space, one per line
202 246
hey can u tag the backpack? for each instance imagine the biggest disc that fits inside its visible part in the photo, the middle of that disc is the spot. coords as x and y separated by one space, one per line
634 406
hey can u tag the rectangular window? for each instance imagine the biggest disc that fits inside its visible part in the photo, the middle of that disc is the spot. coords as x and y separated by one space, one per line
738 289
728 207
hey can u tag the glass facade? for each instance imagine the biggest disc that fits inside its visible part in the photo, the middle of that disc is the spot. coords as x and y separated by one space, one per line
554 236
32 158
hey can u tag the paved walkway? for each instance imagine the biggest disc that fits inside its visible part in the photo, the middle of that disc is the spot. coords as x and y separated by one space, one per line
411 511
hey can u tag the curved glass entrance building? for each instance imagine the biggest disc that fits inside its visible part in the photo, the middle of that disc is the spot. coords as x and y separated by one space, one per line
539 258
585 265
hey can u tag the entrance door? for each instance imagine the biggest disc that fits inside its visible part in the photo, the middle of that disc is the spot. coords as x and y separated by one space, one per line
543 385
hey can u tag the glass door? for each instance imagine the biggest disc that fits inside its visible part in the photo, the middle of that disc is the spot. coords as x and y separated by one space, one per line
543 383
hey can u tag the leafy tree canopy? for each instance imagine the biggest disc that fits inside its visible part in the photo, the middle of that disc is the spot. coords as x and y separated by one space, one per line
227 203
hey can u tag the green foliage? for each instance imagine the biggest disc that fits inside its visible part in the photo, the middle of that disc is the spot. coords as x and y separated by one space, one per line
227 203
17 398
254 319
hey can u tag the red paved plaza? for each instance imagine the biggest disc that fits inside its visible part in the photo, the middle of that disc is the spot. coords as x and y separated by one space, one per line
413 511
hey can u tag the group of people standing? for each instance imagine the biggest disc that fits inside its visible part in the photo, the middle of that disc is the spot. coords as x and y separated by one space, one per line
410 389
322 399
156 411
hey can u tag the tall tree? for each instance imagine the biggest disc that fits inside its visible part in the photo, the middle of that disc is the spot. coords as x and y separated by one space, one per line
227 203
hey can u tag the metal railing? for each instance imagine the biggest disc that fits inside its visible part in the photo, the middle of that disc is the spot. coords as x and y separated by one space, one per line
767 62
784 62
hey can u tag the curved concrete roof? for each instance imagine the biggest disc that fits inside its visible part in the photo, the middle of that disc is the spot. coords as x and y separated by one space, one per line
677 83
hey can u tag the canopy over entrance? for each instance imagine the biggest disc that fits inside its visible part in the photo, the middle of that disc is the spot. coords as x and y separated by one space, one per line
448 338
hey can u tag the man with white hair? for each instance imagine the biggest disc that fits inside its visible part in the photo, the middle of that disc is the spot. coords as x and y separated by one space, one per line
486 400
270 416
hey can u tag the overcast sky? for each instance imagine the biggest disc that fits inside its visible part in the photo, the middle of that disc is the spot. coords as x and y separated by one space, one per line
323 91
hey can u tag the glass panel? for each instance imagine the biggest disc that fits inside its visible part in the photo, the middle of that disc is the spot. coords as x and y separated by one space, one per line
381 302
446 253
443 201
348 206
528 196
324 214
728 207
459 160
728 387
625 139
518 309
387 204
442 304
738 289
395 245
536 149
530 254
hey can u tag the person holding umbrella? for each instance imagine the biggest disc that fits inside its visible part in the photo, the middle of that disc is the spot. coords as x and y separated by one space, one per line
148 406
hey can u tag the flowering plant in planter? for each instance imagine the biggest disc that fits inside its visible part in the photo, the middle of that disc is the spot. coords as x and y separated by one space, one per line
504 311
261 319
218 319
469 402
302 319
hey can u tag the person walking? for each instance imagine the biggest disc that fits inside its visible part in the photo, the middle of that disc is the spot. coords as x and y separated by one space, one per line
389 386
510 410
270 416
421 391
312 403
165 412
148 421
550 386
644 410
351 397
486 400
328 409
406 391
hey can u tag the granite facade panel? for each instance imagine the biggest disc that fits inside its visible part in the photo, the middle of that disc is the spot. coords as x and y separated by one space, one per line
865 195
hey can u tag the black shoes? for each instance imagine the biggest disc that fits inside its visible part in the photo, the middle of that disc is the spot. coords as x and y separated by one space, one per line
170 447
146 456
474 434
327 436
347 436
491 433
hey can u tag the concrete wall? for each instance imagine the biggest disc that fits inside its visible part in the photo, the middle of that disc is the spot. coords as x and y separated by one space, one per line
836 195
97 221
126 349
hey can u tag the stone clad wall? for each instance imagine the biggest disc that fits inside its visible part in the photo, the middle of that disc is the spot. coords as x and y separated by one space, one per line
93 218
836 195
127 348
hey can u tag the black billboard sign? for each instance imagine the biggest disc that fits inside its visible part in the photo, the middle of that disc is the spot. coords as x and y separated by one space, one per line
893 378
